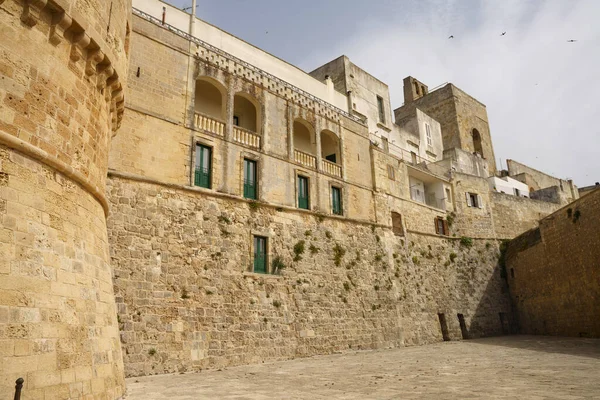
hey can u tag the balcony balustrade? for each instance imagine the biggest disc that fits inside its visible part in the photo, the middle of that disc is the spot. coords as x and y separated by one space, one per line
331 168
246 137
209 124
305 159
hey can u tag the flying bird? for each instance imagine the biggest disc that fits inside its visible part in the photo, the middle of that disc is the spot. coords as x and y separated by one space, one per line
571 40
451 37
503 33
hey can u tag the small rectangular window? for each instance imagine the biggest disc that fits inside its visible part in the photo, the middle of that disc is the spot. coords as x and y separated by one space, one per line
250 181
397 227
381 109
260 255
303 193
441 226
474 200
202 173
391 172
386 144
428 133
236 120
336 200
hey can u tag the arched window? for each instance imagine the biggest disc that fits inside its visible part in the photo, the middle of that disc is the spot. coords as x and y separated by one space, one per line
209 98
477 142
397 227
245 113
330 147
423 90
416 88
304 137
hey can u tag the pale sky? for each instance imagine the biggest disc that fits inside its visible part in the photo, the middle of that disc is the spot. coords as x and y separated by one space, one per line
541 92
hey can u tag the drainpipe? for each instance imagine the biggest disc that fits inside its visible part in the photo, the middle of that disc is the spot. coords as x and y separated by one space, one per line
193 19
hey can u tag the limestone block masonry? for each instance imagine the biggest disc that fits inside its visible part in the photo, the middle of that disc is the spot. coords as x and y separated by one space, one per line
554 272
61 100
187 301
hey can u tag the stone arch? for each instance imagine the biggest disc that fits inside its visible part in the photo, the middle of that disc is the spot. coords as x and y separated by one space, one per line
304 136
246 112
330 147
210 98
477 146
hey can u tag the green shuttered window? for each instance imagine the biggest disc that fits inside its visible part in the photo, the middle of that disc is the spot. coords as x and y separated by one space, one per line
336 200
202 174
260 254
303 193
250 184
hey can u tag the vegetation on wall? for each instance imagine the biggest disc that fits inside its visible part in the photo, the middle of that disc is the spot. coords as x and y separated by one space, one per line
277 265
298 250
466 241
338 254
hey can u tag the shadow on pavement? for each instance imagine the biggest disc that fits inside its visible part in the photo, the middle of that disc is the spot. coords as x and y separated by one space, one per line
583 347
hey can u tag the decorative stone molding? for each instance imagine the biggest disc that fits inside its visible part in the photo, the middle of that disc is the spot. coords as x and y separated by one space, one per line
32 10
80 42
53 162
61 21
83 47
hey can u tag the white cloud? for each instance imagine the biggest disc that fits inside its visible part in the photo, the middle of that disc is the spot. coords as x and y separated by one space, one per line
541 92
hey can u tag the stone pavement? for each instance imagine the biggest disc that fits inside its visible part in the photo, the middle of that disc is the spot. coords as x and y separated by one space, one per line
510 367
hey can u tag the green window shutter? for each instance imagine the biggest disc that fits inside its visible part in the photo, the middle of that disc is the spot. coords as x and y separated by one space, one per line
336 201
250 184
202 174
260 255
303 193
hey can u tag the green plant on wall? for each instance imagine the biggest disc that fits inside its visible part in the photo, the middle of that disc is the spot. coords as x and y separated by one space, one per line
298 250
313 249
466 241
453 256
450 218
253 205
277 265
338 254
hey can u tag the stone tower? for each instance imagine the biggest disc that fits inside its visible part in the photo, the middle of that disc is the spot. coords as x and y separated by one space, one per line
463 118
63 65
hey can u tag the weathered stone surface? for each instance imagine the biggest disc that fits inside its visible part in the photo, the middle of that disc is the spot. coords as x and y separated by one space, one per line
58 327
187 299
554 272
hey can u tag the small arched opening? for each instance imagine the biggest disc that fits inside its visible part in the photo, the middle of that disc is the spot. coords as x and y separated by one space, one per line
416 88
477 147
304 137
330 147
245 112
209 99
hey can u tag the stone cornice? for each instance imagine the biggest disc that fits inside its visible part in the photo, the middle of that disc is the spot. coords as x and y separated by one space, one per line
40 155
84 48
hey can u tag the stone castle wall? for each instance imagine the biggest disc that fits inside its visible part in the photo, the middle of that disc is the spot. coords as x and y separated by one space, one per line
187 300
514 215
554 272
61 99
536 180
